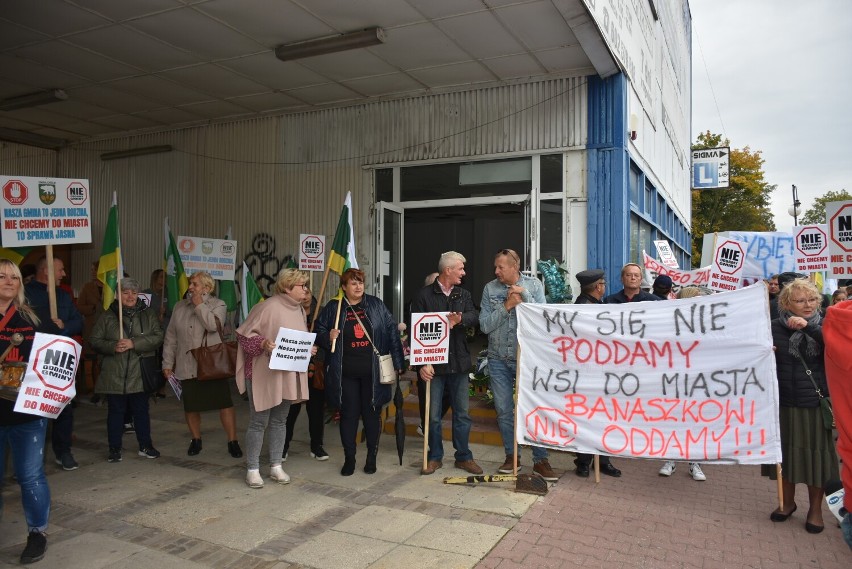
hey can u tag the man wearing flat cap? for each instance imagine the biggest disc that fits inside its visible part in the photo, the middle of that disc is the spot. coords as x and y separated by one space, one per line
662 287
592 289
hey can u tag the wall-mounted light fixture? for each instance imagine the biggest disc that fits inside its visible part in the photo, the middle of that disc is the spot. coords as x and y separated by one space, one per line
332 44
634 127
795 209
30 138
142 151
33 100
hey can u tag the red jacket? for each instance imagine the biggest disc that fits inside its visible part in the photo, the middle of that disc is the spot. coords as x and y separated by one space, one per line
837 334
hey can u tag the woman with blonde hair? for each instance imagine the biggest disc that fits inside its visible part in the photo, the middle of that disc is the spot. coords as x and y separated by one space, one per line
807 446
194 320
271 391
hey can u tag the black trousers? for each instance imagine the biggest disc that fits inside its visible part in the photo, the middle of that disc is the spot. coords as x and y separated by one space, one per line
316 427
60 434
587 459
357 395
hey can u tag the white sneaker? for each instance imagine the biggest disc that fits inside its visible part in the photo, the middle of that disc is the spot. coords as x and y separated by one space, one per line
696 472
668 468
277 474
253 479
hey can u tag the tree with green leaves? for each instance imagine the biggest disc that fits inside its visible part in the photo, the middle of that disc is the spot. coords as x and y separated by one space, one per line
816 214
743 206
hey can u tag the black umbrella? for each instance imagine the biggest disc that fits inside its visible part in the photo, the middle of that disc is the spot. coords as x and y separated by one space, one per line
399 424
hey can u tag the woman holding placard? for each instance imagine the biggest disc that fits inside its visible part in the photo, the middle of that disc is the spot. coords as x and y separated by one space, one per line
270 391
360 326
23 433
807 445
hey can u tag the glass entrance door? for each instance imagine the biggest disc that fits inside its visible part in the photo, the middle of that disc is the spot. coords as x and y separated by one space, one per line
389 257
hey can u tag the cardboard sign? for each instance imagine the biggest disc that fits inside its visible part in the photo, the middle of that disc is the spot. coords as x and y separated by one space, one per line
727 268
44 211
691 379
698 277
215 256
810 245
311 252
430 338
292 350
48 384
839 217
667 256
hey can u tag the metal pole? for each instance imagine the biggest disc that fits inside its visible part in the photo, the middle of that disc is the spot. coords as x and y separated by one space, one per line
796 204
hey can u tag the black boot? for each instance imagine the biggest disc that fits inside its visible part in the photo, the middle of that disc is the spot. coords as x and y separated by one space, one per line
194 447
348 466
370 465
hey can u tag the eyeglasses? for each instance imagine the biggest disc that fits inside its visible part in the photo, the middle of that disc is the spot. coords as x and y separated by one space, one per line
304 286
801 301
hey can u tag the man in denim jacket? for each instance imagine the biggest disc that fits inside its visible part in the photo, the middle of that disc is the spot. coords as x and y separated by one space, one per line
498 319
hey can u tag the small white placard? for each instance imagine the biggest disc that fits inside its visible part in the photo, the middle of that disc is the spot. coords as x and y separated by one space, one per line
48 384
292 350
430 338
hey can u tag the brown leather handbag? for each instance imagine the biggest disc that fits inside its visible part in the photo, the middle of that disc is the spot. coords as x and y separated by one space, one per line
218 361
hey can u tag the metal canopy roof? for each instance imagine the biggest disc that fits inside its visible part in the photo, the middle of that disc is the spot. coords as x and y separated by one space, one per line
148 64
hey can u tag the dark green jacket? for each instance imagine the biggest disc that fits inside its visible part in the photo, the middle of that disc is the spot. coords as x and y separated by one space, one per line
120 373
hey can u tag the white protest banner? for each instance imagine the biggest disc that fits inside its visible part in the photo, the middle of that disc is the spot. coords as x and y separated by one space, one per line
839 221
311 252
667 256
767 253
810 244
48 384
430 338
44 211
691 379
215 256
698 277
727 268
292 350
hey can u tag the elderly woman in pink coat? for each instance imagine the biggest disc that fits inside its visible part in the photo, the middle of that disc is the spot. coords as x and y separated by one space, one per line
270 391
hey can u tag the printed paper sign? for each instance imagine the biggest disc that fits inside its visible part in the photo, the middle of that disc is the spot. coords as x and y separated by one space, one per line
311 252
48 384
44 211
430 338
688 380
667 256
839 217
292 350
216 256
698 277
811 248
727 268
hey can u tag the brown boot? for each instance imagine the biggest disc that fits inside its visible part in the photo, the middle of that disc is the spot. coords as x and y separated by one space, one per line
469 466
507 466
543 469
432 466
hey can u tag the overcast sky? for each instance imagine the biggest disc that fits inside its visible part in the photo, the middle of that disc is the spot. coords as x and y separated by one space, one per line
782 74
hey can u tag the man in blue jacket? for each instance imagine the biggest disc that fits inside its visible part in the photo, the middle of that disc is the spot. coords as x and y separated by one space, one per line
446 295
70 323
499 320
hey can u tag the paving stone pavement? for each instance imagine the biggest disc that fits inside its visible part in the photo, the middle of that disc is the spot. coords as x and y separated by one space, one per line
196 512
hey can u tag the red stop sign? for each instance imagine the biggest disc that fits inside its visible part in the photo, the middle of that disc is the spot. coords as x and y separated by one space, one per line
843 215
730 257
15 192
811 241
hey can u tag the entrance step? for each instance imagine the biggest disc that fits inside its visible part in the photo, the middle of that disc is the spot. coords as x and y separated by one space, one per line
484 419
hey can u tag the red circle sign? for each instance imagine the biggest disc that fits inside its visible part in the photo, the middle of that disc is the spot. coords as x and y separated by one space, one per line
15 192
730 257
835 229
431 330
811 241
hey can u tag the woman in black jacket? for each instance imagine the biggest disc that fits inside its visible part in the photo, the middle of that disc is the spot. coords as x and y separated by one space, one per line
352 374
807 447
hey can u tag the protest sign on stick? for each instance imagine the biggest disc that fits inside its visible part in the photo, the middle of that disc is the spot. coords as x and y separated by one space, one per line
690 379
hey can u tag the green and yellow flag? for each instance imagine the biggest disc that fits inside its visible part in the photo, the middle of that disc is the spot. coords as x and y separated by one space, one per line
342 255
227 288
251 295
15 254
110 267
177 283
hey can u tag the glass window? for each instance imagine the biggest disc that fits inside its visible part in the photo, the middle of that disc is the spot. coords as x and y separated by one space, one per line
551 230
551 173
384 185
634 184
466 180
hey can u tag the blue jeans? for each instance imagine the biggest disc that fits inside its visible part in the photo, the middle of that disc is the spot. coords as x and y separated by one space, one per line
846 527
502 374
456 385
27 443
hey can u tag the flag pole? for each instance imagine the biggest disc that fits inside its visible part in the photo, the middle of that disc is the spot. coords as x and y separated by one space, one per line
337 321
319 297
51 281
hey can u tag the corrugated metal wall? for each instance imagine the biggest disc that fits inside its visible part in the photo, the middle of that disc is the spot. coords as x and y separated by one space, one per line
272 178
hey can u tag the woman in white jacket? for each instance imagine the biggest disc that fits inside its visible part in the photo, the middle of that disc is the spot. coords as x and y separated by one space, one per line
192 319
